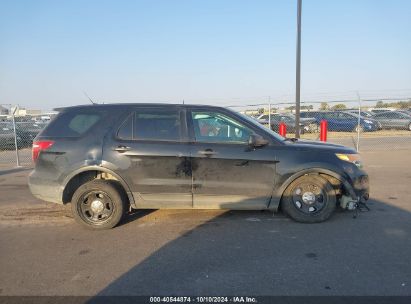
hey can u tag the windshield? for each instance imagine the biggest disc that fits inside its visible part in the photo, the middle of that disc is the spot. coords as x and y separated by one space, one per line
258 125
287 118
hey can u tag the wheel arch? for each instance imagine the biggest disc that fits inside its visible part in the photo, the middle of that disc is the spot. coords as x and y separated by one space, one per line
328 174
85 174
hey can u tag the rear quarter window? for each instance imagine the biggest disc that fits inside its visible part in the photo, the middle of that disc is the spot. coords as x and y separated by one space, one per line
72 124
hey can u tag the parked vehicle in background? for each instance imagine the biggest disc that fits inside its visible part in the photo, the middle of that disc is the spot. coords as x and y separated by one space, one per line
105 159
394 120
30 129
263 119
381 110
254 116
365 114
405 112
26 131
339 121
7 138
306 124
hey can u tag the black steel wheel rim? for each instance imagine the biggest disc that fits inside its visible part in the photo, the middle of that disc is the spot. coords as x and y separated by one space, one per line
95 207
309 197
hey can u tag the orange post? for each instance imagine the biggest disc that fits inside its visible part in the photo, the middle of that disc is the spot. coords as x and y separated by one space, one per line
323 130
283 129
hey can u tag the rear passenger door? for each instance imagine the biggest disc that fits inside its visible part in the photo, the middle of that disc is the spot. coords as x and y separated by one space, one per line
151 152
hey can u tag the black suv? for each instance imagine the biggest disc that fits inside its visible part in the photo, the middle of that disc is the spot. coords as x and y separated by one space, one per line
105 159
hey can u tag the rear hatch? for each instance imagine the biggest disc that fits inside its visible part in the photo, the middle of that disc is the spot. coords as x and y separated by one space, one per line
73 135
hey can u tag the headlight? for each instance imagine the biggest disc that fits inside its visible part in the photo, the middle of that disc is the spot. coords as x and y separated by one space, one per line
368 121
352 158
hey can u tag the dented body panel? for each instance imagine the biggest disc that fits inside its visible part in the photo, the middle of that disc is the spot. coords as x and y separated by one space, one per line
185 173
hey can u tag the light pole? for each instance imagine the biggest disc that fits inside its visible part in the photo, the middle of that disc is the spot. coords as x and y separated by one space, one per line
298 71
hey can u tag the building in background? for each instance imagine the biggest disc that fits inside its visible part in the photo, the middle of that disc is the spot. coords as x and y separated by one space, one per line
23 111
4 111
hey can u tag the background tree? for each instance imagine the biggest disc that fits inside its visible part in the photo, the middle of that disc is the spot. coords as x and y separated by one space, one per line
310 107
339 106
399 104
379 104
324 106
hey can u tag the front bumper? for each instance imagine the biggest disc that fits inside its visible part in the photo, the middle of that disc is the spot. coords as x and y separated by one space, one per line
370 127
361 187
356 182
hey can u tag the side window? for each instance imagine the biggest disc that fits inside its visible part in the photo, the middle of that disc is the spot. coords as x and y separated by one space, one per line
310 115
73 123
157 124
388 115
217 127
285 118
397 116
345 116
82 122
126 129
151 124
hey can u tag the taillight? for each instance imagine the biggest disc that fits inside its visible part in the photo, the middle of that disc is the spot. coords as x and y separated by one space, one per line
40 146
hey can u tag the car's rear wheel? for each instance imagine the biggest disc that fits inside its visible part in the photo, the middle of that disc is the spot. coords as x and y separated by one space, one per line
98 204
409 127
309 199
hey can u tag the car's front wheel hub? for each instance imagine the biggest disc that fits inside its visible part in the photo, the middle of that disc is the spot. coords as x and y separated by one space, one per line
97 206
308 198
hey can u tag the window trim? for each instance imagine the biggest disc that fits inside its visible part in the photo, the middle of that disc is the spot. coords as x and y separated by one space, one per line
122 124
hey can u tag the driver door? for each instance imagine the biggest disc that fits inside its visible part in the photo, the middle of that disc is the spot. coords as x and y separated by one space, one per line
227 173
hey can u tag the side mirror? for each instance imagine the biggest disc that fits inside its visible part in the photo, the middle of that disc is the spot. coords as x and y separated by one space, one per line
257 141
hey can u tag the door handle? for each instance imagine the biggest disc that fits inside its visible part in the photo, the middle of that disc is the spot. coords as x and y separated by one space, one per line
122 149
207 152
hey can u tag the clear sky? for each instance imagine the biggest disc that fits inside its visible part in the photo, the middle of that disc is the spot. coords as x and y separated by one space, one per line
203 51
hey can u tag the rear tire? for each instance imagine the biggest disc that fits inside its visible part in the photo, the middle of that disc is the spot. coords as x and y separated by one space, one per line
309 199
99 204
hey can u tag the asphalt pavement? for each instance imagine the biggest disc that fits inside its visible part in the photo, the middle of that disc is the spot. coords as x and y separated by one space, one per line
184 252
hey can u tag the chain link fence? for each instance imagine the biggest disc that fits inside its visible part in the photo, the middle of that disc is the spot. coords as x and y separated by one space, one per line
359 124
363 124
16 138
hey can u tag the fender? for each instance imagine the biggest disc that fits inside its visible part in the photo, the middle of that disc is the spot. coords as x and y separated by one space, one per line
101 169
277 194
